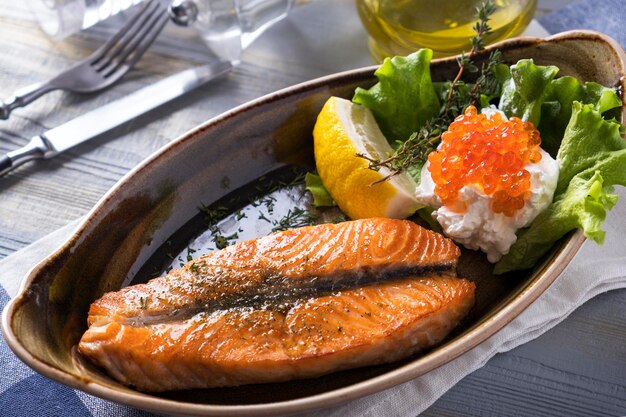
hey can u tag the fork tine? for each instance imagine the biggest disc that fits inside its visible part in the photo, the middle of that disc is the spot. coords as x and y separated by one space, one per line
135 51
109 50
102 50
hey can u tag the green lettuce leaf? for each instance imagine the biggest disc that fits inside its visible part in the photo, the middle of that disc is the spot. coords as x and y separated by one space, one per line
603 98
425 213
557 107
557 110
584 206
590 144
404 97
523 89
321 196
592 159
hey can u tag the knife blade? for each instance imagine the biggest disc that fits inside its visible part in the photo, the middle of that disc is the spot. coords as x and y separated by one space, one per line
111 115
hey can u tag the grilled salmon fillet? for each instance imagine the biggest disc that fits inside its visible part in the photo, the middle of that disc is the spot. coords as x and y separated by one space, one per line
295 304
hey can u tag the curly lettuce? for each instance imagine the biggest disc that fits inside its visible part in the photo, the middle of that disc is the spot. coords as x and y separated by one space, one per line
524 89
556 109
592 159
404 97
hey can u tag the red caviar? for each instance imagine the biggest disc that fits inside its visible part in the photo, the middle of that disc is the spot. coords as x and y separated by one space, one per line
489 153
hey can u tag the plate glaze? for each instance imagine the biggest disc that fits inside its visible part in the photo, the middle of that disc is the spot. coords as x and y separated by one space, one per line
157 199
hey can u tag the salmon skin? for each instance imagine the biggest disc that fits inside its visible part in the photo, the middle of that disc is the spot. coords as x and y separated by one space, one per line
294 304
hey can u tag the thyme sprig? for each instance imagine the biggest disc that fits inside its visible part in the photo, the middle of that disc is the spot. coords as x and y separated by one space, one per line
487 83
482 29
414 151
411 152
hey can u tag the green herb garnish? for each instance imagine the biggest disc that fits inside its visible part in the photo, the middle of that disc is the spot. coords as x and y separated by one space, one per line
222 241
295 217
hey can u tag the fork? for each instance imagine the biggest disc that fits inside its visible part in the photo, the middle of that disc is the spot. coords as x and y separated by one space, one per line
105 66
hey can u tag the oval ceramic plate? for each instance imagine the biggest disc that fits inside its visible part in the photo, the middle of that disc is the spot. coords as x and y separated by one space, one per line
149 205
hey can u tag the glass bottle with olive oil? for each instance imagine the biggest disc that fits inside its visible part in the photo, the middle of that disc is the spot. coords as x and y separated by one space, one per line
399 27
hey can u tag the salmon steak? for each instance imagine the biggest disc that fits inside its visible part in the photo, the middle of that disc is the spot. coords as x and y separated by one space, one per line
295 304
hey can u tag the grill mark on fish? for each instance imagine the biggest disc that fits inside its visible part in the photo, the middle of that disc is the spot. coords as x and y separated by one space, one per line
280 293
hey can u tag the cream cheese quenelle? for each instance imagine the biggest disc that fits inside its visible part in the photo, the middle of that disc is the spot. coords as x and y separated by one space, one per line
487 179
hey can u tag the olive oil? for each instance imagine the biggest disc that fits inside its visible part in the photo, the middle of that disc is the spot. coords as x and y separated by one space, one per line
399 27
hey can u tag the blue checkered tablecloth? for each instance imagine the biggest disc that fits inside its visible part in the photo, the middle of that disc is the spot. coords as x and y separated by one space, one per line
23 392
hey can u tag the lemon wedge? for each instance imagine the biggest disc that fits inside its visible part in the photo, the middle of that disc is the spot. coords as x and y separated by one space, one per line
342 130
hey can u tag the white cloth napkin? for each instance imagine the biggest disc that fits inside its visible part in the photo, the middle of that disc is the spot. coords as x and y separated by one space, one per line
594 270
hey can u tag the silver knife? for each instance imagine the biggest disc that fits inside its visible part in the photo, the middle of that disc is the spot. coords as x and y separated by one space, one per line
105 118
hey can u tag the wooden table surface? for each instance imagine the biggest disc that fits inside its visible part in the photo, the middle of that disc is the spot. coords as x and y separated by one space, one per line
576 369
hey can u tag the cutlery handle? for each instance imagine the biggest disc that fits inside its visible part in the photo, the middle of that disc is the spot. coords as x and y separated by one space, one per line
5 164
37 148
23 97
